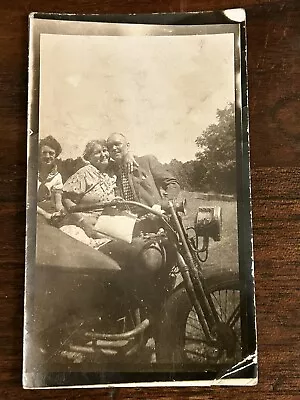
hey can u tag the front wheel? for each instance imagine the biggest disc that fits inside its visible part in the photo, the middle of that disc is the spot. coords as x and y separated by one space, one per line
181 340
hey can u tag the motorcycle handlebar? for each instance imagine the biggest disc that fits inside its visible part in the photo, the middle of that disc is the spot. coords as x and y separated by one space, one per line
100 206
113 203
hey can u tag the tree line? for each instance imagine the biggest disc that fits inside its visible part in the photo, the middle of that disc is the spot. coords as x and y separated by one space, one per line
214 166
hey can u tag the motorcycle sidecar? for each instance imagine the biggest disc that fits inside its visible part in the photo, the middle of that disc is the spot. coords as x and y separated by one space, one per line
70 285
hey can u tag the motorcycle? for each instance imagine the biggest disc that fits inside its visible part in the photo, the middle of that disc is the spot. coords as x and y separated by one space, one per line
91 313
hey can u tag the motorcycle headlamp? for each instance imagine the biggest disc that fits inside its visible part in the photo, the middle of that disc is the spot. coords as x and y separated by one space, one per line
208 222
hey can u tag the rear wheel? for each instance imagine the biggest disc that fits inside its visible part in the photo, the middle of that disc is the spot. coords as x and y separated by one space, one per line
181 340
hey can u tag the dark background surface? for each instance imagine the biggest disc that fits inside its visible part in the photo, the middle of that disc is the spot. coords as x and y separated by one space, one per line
274 89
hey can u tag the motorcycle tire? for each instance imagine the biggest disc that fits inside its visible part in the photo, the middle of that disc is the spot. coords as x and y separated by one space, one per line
181 341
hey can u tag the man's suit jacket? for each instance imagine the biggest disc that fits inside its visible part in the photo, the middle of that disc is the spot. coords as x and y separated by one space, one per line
149 179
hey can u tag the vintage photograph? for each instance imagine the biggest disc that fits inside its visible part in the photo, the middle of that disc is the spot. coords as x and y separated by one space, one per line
139 261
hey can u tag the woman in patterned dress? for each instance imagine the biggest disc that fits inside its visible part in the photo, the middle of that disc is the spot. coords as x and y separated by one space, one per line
93 183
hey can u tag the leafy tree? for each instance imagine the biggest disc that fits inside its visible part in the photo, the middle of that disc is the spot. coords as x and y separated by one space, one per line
182 173
217 152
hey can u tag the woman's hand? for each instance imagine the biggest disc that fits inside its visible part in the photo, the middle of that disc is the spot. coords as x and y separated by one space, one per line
88 228
57 216
130 162
60 210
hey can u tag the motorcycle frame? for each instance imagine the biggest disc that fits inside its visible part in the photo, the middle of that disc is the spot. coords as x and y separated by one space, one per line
195 286
191 273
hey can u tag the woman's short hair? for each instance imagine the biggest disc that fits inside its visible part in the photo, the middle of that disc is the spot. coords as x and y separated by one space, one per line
51 142
90 148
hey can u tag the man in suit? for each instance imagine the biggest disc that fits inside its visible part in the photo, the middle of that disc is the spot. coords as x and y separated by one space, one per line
149 183
148 179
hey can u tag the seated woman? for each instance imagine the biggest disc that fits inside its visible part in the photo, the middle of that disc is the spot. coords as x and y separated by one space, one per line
49 192
93 183
96 183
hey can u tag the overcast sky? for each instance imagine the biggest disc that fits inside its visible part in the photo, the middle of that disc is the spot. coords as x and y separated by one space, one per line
160 91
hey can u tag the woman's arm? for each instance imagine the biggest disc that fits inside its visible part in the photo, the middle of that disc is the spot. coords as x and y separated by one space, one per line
67 202
78 218
44 213
58 201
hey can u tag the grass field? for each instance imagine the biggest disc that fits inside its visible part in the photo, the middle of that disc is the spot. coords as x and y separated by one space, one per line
225 252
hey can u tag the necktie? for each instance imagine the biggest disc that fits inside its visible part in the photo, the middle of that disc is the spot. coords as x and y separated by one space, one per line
126 189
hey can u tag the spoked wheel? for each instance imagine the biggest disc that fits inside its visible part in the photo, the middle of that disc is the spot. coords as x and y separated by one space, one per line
181 340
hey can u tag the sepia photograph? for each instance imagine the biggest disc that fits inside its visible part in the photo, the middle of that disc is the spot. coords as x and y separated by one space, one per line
139 265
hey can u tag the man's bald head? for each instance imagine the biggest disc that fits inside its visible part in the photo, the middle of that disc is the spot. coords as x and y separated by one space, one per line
118 146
